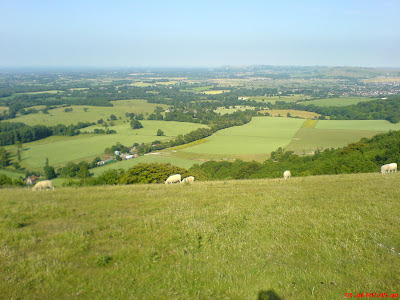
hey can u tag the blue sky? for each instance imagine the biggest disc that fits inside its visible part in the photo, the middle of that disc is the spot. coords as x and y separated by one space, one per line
199 33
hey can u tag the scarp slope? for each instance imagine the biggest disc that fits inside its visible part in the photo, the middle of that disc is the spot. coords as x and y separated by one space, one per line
320 236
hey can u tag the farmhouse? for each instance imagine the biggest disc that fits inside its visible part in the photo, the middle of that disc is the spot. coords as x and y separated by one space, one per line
104 162
128 156
31 179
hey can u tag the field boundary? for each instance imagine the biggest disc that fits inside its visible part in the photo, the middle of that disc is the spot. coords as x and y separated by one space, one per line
309 123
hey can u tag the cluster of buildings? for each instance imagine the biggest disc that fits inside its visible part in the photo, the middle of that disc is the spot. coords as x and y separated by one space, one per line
124 156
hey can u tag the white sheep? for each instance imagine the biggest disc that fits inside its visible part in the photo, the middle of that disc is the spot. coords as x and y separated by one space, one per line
173 179
393 167
287 174
44 184
188 179
389 168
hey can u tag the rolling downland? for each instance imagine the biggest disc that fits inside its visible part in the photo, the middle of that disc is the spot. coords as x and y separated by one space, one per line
307 237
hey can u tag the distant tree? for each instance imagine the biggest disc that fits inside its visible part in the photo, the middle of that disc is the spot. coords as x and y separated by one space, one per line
130 115
16 165
100 121
83 170
49 172
69 109
160 132
135 124
113 118
19 147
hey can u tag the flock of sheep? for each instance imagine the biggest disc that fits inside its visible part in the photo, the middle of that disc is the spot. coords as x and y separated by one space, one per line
177 178
389 168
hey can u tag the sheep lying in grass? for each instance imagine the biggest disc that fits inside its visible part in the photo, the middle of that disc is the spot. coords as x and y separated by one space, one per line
44 184
173 179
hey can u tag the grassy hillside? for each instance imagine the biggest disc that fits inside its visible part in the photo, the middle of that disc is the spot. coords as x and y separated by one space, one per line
312 237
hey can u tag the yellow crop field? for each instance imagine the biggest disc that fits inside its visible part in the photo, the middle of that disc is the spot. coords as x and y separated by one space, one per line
309 124
378 80
293 113
215 92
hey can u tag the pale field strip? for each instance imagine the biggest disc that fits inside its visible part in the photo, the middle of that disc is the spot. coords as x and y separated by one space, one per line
214 92
293 113
386 79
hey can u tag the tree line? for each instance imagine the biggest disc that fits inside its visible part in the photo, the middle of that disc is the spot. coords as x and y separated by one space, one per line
11 133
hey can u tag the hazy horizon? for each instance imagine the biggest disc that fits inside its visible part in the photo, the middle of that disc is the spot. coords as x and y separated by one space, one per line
208 34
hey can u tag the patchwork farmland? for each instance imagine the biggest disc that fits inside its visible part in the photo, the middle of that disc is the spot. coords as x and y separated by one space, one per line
256 140
60 149
86 113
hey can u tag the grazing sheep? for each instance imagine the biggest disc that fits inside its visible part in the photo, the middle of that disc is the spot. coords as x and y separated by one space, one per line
173 179
389 168
44 184
393 167
188 179
385 169
287 174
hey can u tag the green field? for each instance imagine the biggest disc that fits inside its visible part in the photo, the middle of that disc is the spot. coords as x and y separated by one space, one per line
94 113
223 110
261 135
374 125
60 149
336 133
315 237
41 92
308 140
12 173
345 101
266 134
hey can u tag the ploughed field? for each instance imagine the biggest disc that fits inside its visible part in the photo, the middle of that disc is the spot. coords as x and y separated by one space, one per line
311 237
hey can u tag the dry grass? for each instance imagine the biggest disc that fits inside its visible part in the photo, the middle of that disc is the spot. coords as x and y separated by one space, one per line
293 113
